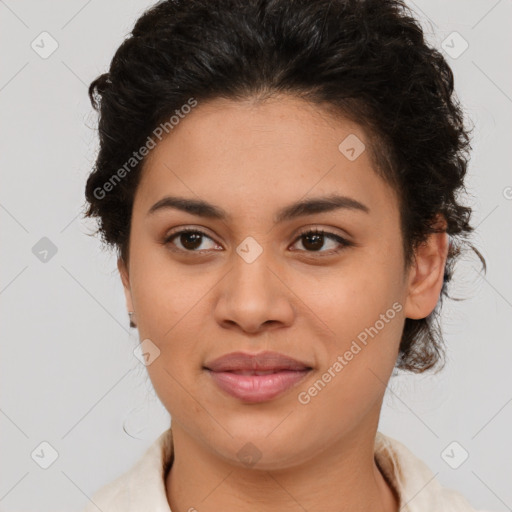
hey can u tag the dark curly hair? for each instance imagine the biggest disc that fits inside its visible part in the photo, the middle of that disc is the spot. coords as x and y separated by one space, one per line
364 59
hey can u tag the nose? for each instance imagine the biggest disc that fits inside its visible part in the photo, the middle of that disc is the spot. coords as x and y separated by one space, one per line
254 297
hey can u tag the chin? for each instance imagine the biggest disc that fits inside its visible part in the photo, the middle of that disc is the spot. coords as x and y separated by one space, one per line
264 448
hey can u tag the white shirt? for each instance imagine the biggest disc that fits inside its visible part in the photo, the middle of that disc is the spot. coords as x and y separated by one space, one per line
142 488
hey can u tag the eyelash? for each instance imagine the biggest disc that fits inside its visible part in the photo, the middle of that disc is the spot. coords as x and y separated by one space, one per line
345 243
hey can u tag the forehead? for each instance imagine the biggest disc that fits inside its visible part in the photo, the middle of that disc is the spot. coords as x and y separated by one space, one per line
249 156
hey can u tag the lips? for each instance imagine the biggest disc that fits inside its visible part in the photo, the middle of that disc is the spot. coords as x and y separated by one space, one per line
262 362
256 377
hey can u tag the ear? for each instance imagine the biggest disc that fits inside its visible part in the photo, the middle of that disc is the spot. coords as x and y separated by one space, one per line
125 278
426 276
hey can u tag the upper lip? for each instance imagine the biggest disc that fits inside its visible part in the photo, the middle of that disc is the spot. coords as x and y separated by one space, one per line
263 361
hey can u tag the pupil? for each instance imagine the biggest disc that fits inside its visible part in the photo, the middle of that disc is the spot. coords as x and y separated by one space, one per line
196 237
318 241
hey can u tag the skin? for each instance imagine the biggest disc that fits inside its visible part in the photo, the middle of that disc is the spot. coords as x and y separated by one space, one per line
252 160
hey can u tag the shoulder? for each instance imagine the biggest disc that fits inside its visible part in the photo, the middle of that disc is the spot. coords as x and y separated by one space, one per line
417 486
142 487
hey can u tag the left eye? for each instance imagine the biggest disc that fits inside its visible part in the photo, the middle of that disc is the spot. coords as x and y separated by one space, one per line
191 240
315 240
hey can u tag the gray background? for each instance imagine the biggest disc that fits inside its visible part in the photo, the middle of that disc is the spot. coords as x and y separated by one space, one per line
68 373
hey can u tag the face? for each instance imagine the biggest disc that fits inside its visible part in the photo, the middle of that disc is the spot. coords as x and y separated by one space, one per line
257 280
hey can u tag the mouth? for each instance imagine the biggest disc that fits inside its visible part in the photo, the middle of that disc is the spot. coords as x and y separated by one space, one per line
256 378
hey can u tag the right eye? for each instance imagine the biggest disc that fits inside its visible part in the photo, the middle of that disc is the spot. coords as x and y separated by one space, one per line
190 240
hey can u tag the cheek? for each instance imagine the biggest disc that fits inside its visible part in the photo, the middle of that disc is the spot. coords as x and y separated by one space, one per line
353 296
173 387
166 293
357 362
362 303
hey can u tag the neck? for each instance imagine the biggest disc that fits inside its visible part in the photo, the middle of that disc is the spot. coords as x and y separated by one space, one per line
344 478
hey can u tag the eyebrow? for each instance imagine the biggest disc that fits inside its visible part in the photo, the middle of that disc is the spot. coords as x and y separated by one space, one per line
298 209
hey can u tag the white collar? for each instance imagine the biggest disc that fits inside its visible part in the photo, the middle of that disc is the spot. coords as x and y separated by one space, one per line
143 486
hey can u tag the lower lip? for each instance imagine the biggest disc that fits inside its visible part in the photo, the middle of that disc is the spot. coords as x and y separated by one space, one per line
257 388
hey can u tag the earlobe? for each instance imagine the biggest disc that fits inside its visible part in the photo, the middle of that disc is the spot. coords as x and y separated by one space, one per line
125 279
426 276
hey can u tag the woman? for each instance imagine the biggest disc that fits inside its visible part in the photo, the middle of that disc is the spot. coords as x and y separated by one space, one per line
280 180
